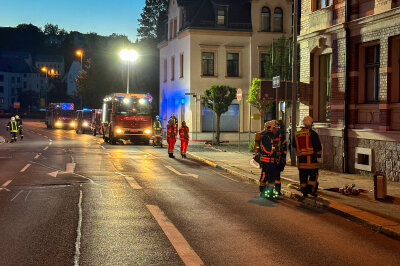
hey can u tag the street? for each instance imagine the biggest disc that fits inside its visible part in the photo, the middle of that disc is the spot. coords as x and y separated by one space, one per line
69 199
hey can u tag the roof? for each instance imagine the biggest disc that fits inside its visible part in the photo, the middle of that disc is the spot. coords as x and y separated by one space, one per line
202 14
49 58
14 65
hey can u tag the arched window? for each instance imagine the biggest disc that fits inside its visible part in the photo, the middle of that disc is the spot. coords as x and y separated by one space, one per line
278 20
265 19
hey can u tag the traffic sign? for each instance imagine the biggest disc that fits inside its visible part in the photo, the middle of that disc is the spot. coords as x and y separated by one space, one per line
239 94
17 105
276 82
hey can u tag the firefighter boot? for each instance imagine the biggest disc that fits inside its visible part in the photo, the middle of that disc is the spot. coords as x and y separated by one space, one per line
262 191
171 155
278 187
269 192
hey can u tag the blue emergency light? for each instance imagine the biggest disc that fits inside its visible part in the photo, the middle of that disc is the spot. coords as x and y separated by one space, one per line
67 106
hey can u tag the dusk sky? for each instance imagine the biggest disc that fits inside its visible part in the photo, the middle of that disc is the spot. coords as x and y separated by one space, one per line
102 16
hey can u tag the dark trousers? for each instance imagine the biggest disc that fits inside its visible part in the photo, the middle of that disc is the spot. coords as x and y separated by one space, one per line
269 174
308 181
13 136
20 133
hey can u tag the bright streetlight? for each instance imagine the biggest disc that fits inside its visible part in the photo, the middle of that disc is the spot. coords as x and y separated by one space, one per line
44 69
129 56
80 53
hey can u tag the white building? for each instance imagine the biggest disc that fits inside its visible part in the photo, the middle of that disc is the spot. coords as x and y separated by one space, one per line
70 77
53 63
216 42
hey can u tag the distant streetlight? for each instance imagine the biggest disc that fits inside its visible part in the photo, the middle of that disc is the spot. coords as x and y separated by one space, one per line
80 53
44 69
129 56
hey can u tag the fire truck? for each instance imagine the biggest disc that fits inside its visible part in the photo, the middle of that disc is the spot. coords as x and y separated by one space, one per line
60 115
127 116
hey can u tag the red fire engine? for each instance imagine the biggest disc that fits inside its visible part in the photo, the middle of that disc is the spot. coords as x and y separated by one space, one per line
127 116
60 115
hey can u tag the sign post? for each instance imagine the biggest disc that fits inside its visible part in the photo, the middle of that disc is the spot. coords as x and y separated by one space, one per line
239 95
17 105
276 83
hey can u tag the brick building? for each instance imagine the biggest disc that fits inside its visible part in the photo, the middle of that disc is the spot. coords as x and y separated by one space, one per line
350 82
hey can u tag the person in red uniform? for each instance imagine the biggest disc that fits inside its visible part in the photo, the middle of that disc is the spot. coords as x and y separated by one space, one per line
184 137
309 150
171 137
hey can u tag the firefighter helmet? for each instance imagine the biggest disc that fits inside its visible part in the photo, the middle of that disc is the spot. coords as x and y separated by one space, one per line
157 117
308 121
12 118
270 124
17 117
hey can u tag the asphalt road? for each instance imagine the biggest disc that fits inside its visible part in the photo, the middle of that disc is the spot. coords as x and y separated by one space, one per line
70 199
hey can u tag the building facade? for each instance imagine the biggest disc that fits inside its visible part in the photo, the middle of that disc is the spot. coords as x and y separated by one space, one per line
216 43
349 82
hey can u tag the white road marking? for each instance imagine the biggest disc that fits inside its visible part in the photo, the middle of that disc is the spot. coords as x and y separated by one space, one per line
78 230
17 195
101 194
50 143
185 251
37 156
178 173
53 174
70 168
45 148
27 195
103 147
26 167
46 137
225 176
5 184
132 182
98 142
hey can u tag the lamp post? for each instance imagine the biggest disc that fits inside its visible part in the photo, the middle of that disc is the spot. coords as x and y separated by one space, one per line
80 53
129 56
44 69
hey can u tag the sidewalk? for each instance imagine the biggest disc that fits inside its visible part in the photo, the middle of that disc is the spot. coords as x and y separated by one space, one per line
382 216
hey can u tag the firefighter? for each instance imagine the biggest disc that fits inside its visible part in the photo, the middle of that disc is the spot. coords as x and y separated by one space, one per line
270 158
157 126
184 138
13 127
19 123
174 119
309 149
171 137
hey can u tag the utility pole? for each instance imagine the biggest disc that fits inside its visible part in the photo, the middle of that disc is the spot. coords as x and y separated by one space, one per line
294 81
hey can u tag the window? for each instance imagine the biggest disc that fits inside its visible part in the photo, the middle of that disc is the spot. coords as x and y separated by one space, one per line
323 3
181 66
221 16
265 19
278 20
172 68
1 89
12 79
372 73
227 122
165 70
263 60
175 27
325 91
170 29
1 100
25 85
208 64
232 64
1 77
18 79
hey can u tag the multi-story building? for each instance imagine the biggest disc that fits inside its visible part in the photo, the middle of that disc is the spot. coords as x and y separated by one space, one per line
349 83
53 63
216 42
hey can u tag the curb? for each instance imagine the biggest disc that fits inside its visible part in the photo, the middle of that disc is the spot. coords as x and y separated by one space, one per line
376 223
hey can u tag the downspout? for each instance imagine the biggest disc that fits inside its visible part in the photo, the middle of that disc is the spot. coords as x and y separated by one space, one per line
346 88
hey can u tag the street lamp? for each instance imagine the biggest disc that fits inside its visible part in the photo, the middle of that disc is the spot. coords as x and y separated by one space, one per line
80 53
44 69
129 56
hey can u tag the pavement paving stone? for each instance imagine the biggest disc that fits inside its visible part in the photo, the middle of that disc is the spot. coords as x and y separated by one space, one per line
381 215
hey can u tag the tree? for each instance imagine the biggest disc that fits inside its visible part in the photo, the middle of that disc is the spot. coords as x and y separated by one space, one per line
256 101
152 17
51 29
278 61
219 98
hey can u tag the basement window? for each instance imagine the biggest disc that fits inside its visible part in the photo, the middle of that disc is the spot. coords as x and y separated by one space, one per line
363 160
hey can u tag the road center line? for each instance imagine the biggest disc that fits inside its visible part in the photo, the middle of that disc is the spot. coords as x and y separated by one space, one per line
78 230
179 173
5 184
37 156
45 148
27 195
185 251
132 182
17 195
26 167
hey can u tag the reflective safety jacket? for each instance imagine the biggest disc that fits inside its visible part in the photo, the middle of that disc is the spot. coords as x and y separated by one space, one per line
257 140
273 148
171 131
19 122
308 148
12 126
184 132
157 125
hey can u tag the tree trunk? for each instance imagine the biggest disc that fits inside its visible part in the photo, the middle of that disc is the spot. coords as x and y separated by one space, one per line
218 129
262 117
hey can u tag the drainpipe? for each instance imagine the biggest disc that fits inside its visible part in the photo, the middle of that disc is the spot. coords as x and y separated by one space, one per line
346 89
